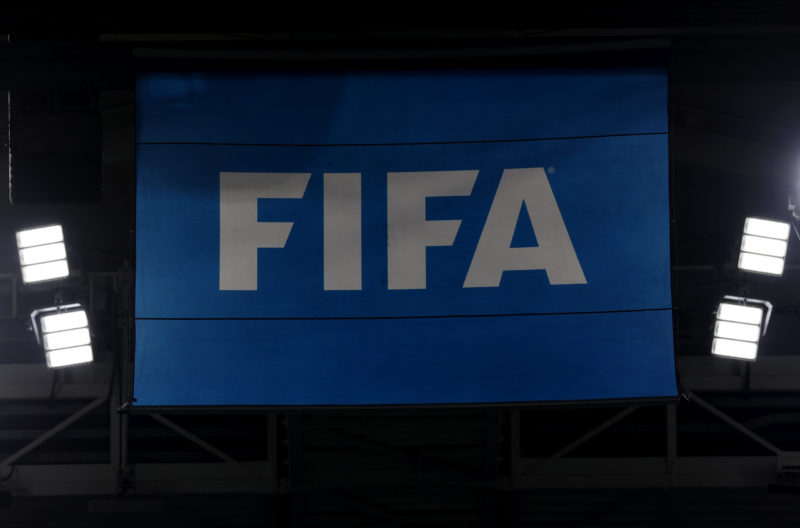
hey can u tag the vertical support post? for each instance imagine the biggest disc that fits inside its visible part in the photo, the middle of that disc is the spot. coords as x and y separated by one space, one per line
126 364
512 505
121 390
491 469
272 447
126 397
115 436
272 460
672 442
296 469
115 392
514 442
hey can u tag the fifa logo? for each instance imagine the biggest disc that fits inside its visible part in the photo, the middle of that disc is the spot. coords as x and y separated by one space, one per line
408 234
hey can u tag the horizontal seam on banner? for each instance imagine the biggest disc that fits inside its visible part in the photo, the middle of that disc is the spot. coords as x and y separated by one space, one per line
399 144
378 317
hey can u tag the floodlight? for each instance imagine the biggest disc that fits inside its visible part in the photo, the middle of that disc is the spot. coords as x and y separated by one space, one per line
64 333
764 245
42 254
740 324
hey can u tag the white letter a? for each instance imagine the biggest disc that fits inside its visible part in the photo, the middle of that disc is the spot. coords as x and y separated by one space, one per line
494 253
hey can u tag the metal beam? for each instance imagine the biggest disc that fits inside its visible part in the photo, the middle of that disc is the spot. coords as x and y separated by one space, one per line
193 438
648 472
672 441
258 477
445 469
514 447
92 479
733 423
52 432
583 439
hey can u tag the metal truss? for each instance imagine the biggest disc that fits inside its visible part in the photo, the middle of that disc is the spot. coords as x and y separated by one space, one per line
88 390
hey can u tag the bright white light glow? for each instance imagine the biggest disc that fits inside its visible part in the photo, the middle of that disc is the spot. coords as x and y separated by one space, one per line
764 246
39 254
67 339
734 349
740 314
46 271
69 356
42 254
766 228
761 263
65 335
742 332
737 330
64 321
39 236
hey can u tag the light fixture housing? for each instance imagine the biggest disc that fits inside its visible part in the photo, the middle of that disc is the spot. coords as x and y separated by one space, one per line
739 326
63 332
42 254
764 244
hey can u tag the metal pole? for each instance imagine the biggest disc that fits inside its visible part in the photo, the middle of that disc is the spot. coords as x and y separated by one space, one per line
114 434
514 442
294 426
585 438
123 285
672 442
491 469
733 423
192 438
54 431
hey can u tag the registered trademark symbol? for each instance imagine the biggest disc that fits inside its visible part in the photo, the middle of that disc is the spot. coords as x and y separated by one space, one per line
551 170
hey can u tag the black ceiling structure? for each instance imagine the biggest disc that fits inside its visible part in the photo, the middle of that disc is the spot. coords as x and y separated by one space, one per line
727 453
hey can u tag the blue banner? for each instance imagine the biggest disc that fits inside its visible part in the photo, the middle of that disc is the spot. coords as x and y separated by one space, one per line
402 238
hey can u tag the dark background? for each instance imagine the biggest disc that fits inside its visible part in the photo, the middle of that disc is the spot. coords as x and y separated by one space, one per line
723 455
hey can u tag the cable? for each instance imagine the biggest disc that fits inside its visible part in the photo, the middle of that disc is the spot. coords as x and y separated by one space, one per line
10 473
53 385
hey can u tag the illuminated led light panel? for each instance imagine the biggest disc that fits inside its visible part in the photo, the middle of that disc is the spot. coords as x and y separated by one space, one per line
737 331
42 254
764 245
66 357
